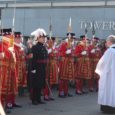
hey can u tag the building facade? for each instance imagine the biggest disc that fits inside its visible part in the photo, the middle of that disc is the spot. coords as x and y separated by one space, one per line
95 16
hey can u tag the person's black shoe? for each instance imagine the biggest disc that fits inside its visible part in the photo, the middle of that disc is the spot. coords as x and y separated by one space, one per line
96 89
46 99
91 90
70 95
7 111
79 93
41 102
34 103
107 109
84 92
51 98
62 96
17 106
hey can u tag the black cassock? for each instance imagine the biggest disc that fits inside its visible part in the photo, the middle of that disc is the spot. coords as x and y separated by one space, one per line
39 62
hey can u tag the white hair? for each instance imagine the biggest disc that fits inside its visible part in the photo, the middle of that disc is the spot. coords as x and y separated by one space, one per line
111 38
39 32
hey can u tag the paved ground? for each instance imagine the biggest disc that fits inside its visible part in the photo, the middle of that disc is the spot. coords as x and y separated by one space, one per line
77 105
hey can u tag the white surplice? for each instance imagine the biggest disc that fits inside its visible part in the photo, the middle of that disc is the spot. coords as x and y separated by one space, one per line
106 70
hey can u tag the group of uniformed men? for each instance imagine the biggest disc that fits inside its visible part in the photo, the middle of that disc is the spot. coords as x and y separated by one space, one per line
48 63
12 67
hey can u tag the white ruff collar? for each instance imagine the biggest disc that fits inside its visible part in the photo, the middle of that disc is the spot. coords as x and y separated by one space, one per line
19 45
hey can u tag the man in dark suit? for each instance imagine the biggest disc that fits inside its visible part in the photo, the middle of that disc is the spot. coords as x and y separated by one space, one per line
39 62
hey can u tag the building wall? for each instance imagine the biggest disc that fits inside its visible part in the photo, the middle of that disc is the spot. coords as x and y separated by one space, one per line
27 20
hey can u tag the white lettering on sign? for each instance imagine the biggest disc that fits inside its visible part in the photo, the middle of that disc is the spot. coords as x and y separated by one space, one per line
98 25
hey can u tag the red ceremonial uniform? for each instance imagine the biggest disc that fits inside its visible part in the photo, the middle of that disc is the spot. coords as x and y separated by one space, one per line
9 79
83 63
51 69
66 67
82 66
94 58
20 65
4 64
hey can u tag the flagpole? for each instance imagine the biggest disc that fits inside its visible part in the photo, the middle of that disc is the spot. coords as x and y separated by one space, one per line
50 28
48 81
93 29
14 15
86 32
69 27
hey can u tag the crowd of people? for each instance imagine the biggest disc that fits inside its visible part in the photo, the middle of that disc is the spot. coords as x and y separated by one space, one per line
47 63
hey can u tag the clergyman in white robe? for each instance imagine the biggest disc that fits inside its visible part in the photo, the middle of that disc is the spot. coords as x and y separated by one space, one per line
106 70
